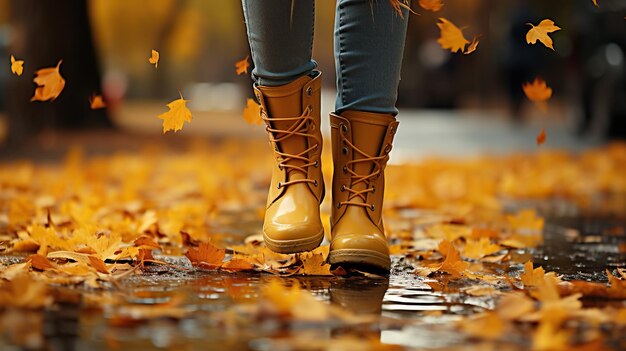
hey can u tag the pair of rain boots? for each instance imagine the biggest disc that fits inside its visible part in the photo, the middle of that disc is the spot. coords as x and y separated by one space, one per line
361 142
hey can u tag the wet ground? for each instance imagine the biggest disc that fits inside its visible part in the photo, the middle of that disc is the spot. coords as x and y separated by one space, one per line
412 314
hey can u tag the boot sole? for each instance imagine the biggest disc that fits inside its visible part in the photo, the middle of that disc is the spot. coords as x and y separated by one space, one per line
360 257
294 245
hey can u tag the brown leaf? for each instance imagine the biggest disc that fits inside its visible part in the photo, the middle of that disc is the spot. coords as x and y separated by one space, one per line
541 137
206 256
40 262
98 264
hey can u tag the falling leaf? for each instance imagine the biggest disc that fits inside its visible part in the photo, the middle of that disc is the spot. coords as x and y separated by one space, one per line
541 137
451 36
241 67
206 256
431 5
595 3
176 116
49 82
472 46
17 66
538 92
96 102
540 32
154 59
252 113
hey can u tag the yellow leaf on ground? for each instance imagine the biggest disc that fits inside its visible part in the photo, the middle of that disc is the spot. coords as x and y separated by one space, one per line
534 277
96 102
540 32
176 116
154 58
17 66
314 264
526 219
49 82
252 113
477 249
512 306
480 290
431 5
453 264
485 326
451 36
241 67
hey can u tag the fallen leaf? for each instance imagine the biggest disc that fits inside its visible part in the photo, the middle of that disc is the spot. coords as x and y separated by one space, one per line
534 277
477 249
512 306
17 66
39 262
541 137
472 46
96 102
206 256
154 59
452 264
540 32
480 290
484 326
176 116
252 113
431 5
451 36
49 82
314 264
24 292
241 67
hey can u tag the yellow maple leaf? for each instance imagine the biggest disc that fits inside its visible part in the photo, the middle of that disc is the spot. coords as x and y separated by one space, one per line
452 264
252 113
96 102
49 82
472 46
17 66
431 5
314 264
154 58
477 249
535 277
241 67
451 36
176 116
540 32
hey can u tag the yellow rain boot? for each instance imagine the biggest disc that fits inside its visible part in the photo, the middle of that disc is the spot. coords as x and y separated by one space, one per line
361 143
292 114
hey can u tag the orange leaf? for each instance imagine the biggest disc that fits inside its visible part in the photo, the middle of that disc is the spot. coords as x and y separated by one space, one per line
238 264
451 36
485 326
49 82
314 264
538 92
96 102
39 262
252 113
452 264
540 32
241 67
154 59
541 137
206 255
176 116
431 5
472 46
595 2
98 264
17 66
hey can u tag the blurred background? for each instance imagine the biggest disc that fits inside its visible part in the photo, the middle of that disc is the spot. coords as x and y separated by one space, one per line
448 101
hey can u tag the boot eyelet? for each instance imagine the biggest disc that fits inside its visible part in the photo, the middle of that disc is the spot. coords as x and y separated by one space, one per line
315 183
339 205
372 207
310 107
316 164
373 190
312 127
344 128
344 150
343 188
309 91
387 149
279 185
345 169
392 130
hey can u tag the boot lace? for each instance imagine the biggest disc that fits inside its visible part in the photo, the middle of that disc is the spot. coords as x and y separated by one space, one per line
300 127
378 162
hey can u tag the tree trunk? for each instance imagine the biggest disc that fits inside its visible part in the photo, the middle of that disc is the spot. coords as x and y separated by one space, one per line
44 32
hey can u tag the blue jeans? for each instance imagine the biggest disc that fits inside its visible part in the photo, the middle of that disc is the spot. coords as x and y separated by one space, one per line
369 44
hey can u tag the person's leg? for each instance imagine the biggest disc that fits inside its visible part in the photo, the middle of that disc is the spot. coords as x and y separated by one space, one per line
280 33
288 88
369 44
